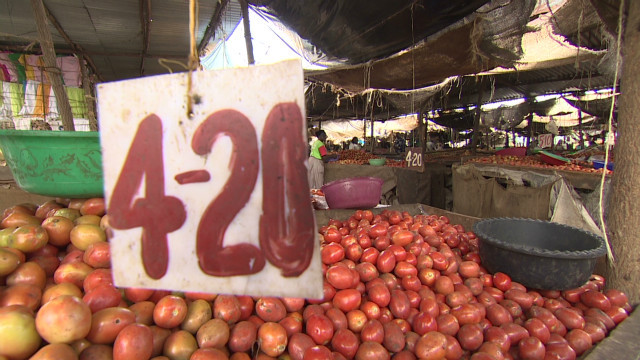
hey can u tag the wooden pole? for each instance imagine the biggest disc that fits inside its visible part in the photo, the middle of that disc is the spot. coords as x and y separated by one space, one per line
210 31
77 49
580 134
476 119
372 138
624 203
87 84
247 31
530 135
49 58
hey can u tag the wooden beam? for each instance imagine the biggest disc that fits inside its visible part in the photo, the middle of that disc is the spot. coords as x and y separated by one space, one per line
26 49
49 58
145 25
210 31
247 31
78 50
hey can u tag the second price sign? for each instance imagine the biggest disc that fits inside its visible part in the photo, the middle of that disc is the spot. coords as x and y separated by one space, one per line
214 202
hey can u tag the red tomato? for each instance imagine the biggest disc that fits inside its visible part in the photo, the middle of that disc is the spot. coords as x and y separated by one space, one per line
370 350
444 285
596 332
137 294
486 299
475 285
340 277
356 319
440 262
270 309
337 317
470 336
570 318
293 304
347 299
354 252
399 304
332 235
467 314
498 315
616 297
345 342
423 323
537 328
499 336
501 281
170 311
432 345
513 307
246 306
272 338
298 344
97 277
402 237
593 298
371 309
107 323
98 255
531 348
319 328
370 255
579 340
515 332
292 323
404 268
411 283
560 351
524 299
447 324
227 308
430 306
617 314
372 331
428 276
242 336
332 253
134 342
602 316
386 261
102 297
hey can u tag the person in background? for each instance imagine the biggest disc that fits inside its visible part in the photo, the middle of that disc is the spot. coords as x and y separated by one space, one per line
354 144
316 161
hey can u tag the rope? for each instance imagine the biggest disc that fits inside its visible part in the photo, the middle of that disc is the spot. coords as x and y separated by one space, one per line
194 61
607 143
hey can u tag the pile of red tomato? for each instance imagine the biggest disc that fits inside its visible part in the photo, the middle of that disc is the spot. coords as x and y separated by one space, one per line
396 286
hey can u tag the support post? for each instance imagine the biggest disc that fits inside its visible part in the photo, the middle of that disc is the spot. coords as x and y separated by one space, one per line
624 203
49 58
247 31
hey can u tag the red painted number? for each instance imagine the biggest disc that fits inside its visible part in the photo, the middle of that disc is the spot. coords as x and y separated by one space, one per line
286 225
241 259
156 213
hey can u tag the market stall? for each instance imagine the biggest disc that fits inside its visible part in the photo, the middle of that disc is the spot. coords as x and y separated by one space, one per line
503 191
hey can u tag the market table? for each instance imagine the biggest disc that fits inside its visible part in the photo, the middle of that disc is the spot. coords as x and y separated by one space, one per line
401 185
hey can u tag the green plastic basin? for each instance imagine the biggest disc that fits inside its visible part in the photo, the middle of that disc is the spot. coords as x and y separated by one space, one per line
55 163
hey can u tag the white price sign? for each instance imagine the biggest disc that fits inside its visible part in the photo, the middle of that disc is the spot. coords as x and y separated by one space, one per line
414 158
217 202
545 140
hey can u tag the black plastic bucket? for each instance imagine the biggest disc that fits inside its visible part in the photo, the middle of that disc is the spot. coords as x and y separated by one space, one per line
538 254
